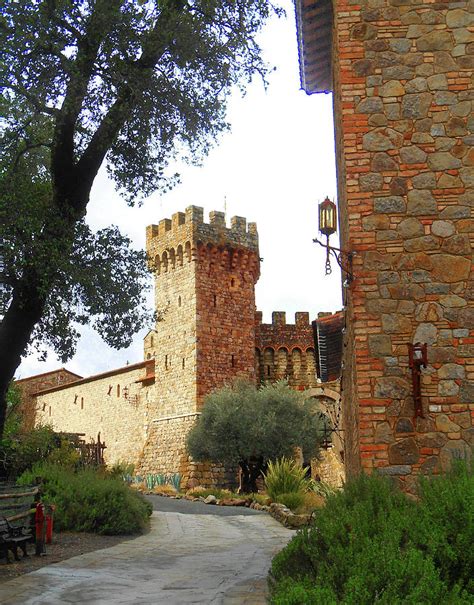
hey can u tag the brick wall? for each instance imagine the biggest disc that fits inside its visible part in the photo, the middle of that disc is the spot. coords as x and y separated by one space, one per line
285 351
403 96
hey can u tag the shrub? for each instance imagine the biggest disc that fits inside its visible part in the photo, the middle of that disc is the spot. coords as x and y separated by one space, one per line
371 544
22 450
291 500
89 500
284 476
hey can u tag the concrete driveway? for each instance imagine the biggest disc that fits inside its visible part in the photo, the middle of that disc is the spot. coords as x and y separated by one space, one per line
202 554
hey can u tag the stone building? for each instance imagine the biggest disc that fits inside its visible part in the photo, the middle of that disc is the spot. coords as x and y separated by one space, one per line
401 73
209 333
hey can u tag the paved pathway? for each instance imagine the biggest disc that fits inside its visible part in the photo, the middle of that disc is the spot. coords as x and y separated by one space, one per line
195 557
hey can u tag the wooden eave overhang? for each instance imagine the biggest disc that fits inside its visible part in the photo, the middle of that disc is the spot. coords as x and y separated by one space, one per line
314 19
44 374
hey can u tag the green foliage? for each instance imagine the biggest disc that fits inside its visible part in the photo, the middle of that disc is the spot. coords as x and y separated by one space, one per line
121 469
241 422
371 544
13 417
22 450
90 500
322 489
285 476
292 500
65 455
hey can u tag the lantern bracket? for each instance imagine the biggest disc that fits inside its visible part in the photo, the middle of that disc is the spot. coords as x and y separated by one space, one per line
343 259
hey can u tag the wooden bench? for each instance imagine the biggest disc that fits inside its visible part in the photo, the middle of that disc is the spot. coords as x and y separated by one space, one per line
17 518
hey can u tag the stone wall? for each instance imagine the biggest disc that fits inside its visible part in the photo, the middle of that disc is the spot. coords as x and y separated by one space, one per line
285 350
113 404
403 96
205 274
28 388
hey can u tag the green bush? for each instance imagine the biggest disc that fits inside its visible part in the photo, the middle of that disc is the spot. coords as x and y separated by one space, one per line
90 500
291 500
285 476
371 544
23 450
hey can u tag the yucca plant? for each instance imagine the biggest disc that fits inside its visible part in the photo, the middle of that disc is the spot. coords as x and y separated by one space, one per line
285 476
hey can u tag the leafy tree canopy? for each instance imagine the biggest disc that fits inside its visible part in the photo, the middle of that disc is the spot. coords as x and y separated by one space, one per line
134 84
249 426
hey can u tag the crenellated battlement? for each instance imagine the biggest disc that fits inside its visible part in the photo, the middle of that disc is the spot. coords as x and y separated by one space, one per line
279 319
187 230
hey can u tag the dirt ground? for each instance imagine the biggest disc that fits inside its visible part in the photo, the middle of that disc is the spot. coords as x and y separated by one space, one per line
65 545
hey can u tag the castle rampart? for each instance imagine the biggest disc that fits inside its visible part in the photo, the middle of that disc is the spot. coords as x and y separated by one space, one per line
285 351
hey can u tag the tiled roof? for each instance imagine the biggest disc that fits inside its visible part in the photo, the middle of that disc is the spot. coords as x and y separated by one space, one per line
314 20
328 346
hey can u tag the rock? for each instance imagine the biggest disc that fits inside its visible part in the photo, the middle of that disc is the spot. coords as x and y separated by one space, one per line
468 436
370 105
437 82
374 222
424 180
404 425
461 109
444 62
233 502
412 155
442 228
466 391
393 88
391 387
416 106
450 268
383 433
427 242
398 186
416 85
210 499
430 465
452 300
435 40
467 176
372 181
455 212
447 388
444 97
404 452
381 139
426 332
454 450
459 18
363 67
376 261
433 440
410 227
391 204
451 370
363 31
388 277
457 244
463 419
442 160
380 345
456 126
382 162
393 323
394 470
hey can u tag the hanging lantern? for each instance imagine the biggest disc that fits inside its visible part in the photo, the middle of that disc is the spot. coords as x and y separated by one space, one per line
327 217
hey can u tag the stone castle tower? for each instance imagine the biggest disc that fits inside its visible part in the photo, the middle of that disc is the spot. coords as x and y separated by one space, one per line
205 275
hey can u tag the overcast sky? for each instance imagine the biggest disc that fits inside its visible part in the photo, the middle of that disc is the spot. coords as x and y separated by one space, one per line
273 168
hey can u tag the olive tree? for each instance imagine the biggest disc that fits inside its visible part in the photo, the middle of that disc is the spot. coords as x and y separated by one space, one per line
249 426
126 83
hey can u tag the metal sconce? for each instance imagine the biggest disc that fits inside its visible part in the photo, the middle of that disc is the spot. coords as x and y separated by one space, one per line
328 226
417 359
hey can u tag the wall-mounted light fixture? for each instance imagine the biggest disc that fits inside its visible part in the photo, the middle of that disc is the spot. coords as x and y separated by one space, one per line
328 226
417 358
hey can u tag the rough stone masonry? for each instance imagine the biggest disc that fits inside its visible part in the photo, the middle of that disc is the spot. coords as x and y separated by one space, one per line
402 77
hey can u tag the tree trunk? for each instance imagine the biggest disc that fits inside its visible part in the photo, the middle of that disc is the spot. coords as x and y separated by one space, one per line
23 314
251 470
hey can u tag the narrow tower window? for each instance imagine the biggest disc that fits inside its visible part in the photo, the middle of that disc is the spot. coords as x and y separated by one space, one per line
183 363
82 403
166 362
118 390
232 360
179 301
215 300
